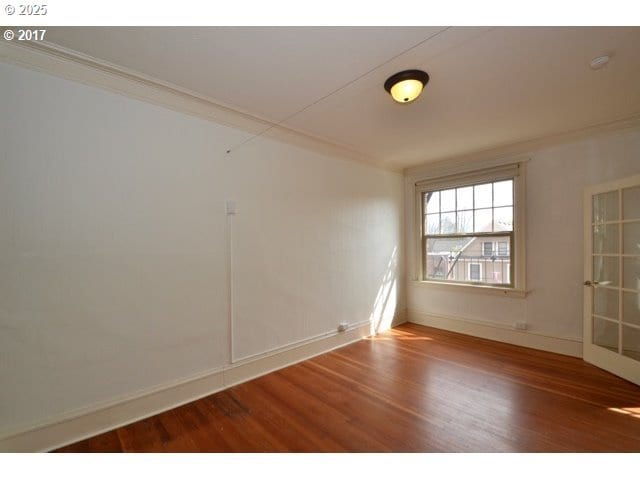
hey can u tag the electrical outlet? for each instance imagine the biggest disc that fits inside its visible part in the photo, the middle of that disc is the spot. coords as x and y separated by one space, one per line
520 325
343 326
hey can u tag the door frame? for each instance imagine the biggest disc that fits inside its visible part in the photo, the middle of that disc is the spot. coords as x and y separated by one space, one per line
615 363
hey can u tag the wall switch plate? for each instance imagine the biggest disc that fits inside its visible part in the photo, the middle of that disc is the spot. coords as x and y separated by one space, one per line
230 206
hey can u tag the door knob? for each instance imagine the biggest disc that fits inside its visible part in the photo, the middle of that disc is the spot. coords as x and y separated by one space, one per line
589 283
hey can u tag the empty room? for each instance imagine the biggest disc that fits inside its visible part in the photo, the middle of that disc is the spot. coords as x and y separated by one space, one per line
319 239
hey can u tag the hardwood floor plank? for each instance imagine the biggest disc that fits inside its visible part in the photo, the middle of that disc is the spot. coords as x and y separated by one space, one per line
106 443
412 389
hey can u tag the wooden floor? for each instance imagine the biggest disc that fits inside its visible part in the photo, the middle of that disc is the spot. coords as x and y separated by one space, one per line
413 389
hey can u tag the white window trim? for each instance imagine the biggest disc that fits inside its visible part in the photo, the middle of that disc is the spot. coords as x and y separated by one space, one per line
515 170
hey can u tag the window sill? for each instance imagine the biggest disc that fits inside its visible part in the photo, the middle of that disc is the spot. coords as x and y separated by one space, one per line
482 289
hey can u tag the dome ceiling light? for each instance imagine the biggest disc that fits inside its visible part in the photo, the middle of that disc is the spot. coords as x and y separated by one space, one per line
407 85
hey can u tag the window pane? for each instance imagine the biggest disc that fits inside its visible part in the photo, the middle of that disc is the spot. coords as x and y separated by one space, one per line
448 200
432 202
448 223
630 238
503 219
465 198
483 220
465 221
442 256
631 203
462 259
503 193
433 224
483 196
503 248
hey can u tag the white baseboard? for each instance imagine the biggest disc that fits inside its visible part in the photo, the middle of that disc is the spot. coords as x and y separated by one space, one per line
500 333
96 419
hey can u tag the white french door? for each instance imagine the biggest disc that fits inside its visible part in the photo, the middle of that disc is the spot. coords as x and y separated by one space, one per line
612 277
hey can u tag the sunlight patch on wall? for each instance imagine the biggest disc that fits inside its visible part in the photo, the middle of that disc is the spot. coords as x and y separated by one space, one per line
384 307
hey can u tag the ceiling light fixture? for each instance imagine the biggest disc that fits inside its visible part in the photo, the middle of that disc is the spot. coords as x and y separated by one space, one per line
407 85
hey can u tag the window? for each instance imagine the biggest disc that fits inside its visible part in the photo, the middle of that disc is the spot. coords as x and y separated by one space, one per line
471 228
475 272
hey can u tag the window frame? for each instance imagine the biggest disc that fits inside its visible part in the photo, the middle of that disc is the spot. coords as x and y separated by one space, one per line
515 171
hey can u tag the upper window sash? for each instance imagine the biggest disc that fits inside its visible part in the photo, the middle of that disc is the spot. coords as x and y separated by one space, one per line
493 174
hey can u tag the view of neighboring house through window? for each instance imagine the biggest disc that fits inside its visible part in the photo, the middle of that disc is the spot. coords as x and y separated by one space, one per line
474 272
468 233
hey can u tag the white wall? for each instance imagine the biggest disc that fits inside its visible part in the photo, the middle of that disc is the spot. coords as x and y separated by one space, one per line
556 177
113 246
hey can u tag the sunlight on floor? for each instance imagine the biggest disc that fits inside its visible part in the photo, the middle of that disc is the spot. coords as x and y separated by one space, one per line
631 411
390 339
395 335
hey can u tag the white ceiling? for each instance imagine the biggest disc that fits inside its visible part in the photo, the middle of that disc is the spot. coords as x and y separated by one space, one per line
489 86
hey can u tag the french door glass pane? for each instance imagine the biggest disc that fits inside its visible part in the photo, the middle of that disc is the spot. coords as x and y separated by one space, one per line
631 272
605 334
605 238
605 270
605 302
631 238
605 207
631 203
631 342
631 308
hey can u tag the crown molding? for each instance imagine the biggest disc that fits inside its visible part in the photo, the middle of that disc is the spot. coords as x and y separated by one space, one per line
53 59
524 149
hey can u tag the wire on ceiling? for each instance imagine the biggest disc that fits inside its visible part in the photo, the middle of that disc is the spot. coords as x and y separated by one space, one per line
333 92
